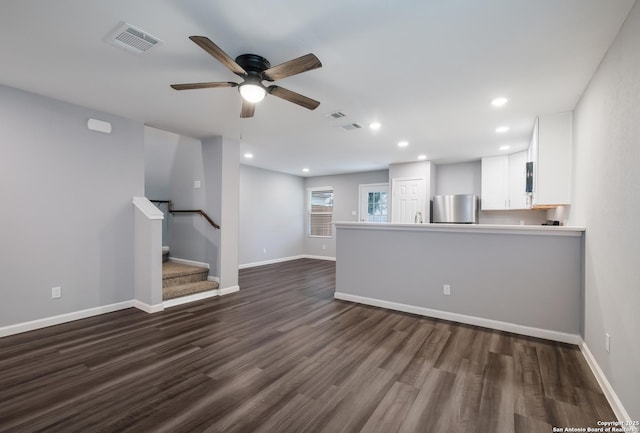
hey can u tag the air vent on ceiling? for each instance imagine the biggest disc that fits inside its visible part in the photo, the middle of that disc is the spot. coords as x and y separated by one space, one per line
335 115
132 39
351 126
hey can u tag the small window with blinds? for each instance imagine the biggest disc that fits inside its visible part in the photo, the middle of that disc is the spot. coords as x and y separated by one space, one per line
320 212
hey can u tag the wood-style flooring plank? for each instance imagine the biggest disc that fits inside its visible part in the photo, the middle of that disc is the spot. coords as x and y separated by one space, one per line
282 356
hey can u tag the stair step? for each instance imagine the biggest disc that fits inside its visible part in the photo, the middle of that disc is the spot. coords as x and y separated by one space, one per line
188 289
165 256
175 274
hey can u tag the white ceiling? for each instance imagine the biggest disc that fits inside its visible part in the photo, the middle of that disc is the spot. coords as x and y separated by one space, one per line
426 70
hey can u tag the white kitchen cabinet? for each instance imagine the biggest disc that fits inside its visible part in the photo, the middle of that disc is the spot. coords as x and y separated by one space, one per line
503 182
551 153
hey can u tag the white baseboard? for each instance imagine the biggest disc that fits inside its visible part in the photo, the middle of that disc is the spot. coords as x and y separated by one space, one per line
189 262
215 279
228 290
63 318
462 318
284 259
329 258
269 262
611 395
148 308
165 249
190 298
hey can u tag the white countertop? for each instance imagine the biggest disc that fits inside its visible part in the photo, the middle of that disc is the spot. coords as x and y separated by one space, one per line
468 228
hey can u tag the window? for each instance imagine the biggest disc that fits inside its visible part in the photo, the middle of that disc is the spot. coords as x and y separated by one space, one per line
320 211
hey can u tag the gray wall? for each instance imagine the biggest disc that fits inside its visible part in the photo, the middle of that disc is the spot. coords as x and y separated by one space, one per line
172 164
346 190
525 279
606 200
271 215
462 178
67 216
221 157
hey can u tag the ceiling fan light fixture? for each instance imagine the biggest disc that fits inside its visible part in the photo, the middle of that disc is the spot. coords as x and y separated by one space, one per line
252 92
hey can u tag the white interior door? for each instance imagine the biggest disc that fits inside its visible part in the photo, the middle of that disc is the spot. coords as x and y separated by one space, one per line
374 203
408 200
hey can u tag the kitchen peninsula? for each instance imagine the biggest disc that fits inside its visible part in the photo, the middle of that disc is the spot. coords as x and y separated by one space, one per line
522 279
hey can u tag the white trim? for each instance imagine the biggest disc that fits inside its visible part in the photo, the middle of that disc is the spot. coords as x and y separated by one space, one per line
608 390
284 259
462 318
214 279
228 290
148 308
63 318
466 228
329 258
165 249
190 298
189 262
270 262
147 208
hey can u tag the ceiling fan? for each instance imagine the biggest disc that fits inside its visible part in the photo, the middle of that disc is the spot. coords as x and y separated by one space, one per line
255 69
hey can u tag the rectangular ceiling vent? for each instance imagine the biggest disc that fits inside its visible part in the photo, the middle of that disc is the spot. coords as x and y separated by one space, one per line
132 39
351 126
335 115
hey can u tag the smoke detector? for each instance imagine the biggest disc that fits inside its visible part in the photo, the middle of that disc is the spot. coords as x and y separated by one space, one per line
132 39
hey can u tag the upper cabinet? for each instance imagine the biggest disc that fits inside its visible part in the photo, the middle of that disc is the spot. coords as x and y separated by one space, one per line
550 151
503 182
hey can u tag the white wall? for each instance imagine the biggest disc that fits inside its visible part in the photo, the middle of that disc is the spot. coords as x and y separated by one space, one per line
606 200
67 215
271 215
345 197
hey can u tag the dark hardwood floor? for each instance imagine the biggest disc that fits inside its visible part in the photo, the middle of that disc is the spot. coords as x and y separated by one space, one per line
283 356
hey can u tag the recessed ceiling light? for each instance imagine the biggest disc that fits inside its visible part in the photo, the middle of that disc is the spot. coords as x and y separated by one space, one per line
403 144
499 102
248 155
422 157
505 147
306 170
502 129
375 125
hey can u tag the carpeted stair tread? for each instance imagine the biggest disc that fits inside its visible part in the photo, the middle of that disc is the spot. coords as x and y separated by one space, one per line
188 289
175 269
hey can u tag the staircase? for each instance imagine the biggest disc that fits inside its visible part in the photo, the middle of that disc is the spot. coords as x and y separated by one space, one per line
181 280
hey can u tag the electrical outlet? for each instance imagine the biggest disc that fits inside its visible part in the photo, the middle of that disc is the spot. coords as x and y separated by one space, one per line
264 251
324 247
607 342
196 184
446 289
56 292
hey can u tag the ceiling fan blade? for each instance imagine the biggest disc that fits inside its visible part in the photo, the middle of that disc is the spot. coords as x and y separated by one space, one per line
294 97
191 86
211 48
247 109
305 63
